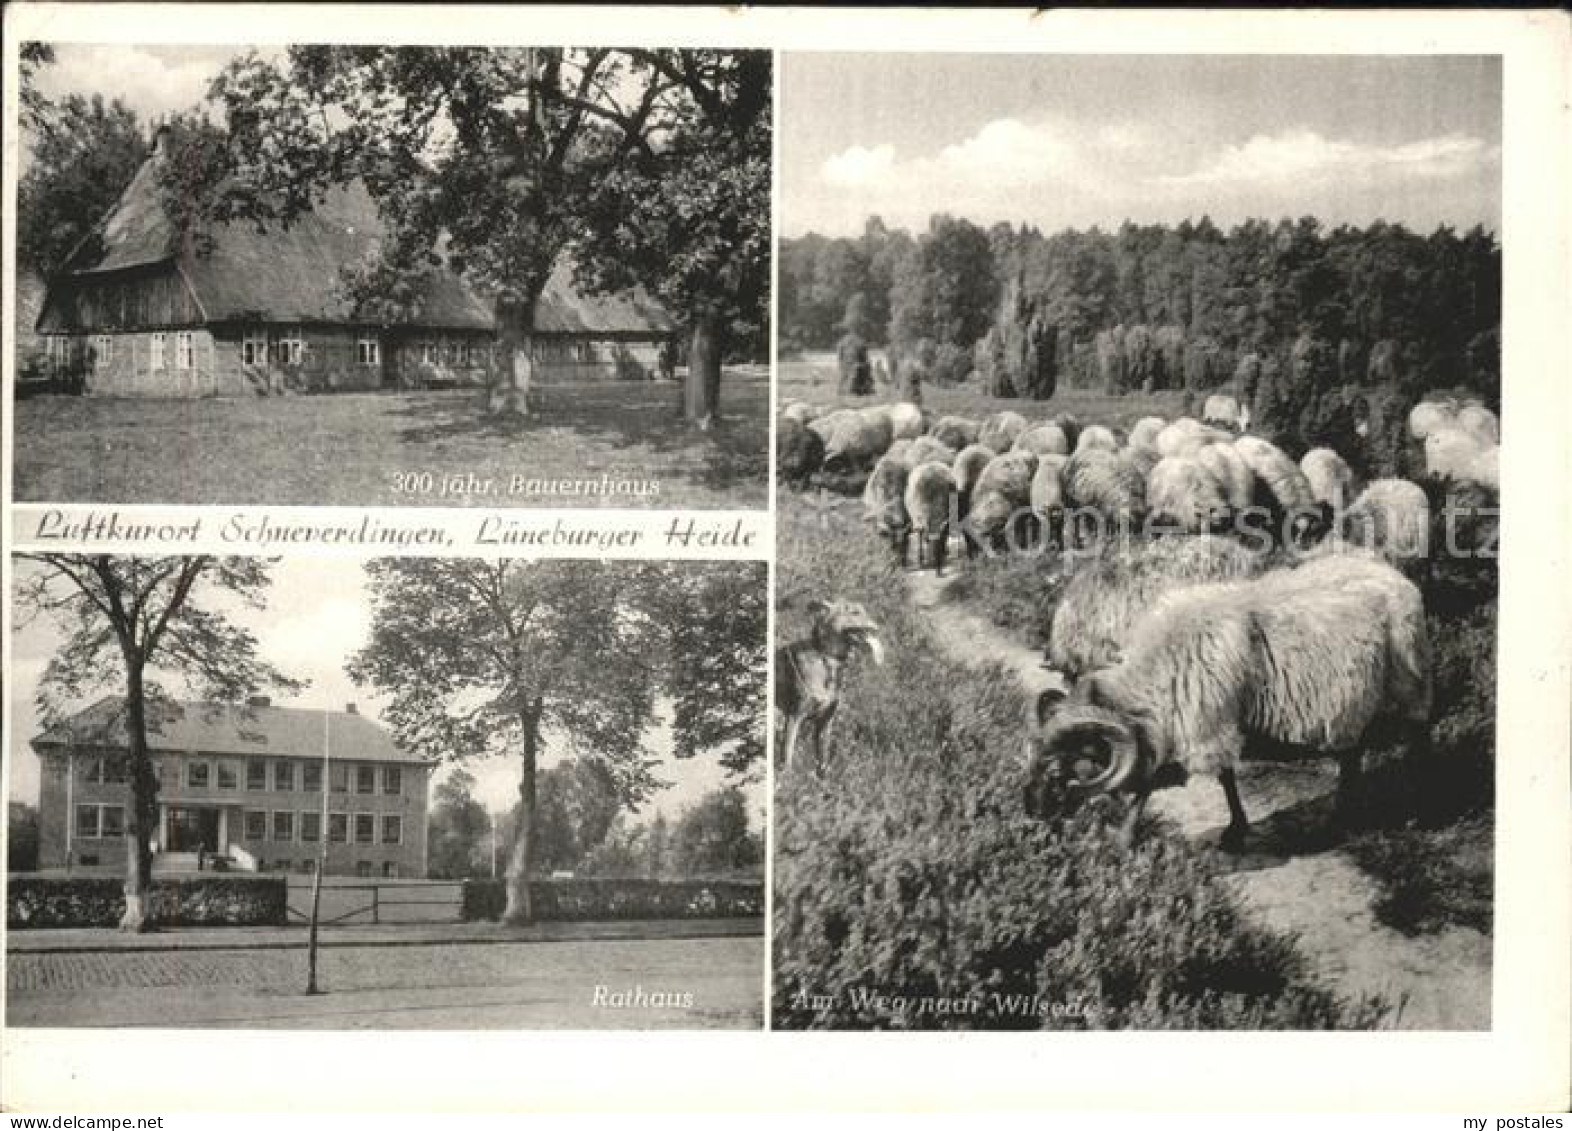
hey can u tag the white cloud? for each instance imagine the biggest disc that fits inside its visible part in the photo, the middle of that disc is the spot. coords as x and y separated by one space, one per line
1297 155
1009 152
858 166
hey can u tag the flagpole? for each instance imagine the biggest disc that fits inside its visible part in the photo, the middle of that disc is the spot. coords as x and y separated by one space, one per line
322 844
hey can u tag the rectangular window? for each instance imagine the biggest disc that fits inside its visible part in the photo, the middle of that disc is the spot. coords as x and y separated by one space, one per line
228 776
87 820
103 351
196 775
392 780
362 867
256 824
463 351
253 348
392 829
307 867
311 775
310 827
183 350
284 826
256 773
289 348
338 828
155 356
112 822
365 779
368 351
365 828
339 778
284 776
390 870
430 352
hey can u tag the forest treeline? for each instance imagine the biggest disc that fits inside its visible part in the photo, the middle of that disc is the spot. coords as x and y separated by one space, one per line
1155 306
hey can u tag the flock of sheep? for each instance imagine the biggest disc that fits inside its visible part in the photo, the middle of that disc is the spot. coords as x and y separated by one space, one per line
1180 652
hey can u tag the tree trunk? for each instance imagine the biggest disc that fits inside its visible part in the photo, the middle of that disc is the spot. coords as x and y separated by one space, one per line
508 393
143 812
521 859
701 394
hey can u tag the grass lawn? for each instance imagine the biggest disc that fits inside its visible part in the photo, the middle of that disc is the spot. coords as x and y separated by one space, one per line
812 378
395 448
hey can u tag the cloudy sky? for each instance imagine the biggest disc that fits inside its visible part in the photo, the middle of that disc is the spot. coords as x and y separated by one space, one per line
154 81
1071 141
317 615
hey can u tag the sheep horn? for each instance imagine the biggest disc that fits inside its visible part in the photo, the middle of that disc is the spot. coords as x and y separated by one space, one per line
1123 753
875 649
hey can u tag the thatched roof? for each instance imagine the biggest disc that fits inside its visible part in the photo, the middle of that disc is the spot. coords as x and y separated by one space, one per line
225 728
293 273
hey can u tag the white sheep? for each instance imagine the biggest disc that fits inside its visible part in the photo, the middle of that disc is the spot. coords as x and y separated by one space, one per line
930 494
1044 440
968 468
884 504
1306 658
901 451
1431 416
1331 479
1391 517
1486 468
1229 469
1103 486
954 432
1002 492
1187 435
1480 423
1143 434
926 449
1000 430
1284 491
906 421
1222 411
1451 453
1095 437
857 441
1181 492
801 411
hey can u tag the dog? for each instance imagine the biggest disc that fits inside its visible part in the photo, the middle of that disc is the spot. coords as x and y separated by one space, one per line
808 676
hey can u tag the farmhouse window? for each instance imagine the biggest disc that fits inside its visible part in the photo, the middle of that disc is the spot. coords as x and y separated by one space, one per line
311 773
112 821
365 828
196 775
87 821
289 348
284 826
253 348
338 827
365 779
155 356
256 773
430 352
392 779
392 829
463 351
183 350
256 824
284 776
310 827
103 351
228 777
368 351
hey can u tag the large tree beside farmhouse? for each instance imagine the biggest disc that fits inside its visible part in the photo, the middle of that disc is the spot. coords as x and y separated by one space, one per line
127 622
485 157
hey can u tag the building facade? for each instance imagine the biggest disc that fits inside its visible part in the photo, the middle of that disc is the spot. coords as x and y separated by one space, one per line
142 310
240 787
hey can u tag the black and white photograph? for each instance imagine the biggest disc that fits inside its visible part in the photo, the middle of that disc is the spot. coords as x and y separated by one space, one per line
391 793
1137 541
401 275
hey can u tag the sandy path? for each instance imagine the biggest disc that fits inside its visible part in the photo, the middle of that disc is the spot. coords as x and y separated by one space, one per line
1435 981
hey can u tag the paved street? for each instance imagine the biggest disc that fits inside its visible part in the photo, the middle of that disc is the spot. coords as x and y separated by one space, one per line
613 983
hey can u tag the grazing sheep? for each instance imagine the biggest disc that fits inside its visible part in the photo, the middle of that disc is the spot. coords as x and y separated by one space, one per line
808 676
906 421
930 495
799 452
884 504
1186 436
1144 433
1142 459
1331 479
925 449
1222 412
1104 489
901 451
1047 495
1485 469
1182 493
1392 518
1070 426
1480 423
1108 593
1230 470
826 424
954 432
1451 453
968 468
801 411
1431 416
1000 430
1305 659
1284 492
1003 491
1094 438
857 442
1043 440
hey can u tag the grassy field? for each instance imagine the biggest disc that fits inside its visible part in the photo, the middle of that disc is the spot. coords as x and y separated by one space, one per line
395 448
812 378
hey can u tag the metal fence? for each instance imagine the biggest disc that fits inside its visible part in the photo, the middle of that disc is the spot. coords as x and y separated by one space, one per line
378 901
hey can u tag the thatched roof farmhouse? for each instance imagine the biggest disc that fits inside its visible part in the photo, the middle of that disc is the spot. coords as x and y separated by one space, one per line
137 311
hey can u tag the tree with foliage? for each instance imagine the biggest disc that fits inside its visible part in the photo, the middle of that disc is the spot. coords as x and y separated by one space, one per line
946 290
712 835
21 837
578 802
125 621
459 828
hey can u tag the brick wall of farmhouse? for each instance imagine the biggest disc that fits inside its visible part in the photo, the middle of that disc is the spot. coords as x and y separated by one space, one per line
134 364
567 359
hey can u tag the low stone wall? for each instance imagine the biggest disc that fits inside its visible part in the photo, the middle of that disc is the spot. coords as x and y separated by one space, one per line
196 901
622 899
